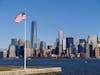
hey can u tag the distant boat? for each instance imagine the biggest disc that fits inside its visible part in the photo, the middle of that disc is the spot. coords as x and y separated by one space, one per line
85 62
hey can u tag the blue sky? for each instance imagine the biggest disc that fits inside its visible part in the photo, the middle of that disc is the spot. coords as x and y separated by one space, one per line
74 17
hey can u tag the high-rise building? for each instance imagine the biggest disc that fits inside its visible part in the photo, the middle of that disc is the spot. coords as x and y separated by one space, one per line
97 51
20 48
82 46
69 42
64 50
64 44
76 44
61 37
21 42
27 44
70 45
57 42
92 41
54 45
98 39
34 34
43 48
28 52
57 47
43 45
38 44
87 51
14 41
28 49
11 51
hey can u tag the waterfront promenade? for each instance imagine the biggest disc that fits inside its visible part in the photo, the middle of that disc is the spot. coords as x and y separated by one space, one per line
33 71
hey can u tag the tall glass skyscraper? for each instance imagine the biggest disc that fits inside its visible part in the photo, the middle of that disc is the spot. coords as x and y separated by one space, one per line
34 34
61 37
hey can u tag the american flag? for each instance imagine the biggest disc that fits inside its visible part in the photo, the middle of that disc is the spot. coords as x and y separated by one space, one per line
20 17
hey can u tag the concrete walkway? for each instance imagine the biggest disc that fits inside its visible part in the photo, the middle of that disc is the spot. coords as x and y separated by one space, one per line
32 71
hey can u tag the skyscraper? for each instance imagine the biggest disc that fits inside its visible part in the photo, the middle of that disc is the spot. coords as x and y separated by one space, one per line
76 44
82 46
87 51
14 41
61 37
42 48
42 45
70 44
64 44
38 44
21 42
27 44
92 41
98 39
97 51
11 51
34 34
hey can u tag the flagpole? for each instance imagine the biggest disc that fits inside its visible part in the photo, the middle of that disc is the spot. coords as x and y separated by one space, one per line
25 44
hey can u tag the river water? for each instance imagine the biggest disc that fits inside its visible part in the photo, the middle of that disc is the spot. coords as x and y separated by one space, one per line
69 66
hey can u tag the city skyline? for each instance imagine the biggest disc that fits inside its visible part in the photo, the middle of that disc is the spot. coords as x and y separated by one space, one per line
62 47
75 18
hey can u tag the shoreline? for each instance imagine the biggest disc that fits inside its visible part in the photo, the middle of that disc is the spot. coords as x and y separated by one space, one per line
30 71
51 58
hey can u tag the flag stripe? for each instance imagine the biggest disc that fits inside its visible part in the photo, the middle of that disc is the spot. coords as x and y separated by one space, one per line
20 17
